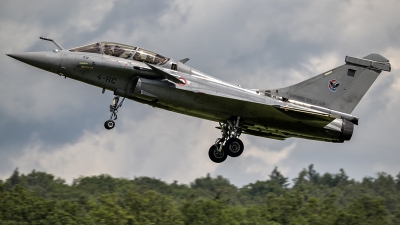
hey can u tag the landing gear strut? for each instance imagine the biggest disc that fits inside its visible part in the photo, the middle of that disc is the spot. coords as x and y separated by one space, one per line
229 144
110 124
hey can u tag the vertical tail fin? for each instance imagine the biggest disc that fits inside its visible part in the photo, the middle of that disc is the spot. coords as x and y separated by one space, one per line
341 88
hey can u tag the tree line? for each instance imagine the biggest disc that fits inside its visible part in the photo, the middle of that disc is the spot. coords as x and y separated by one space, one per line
312 198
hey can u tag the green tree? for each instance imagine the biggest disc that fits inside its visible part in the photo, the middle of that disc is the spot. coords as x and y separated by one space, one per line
301 180
209 212
365 210
278 178
151 208
13 180
19 205
108 210
312 175
217 188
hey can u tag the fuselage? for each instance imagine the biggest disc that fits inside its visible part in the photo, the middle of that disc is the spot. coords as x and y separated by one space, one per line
127 74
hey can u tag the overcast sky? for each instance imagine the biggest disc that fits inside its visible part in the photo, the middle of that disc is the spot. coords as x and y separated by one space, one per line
55 125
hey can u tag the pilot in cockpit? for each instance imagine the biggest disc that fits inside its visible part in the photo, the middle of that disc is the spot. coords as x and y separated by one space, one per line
126 54
137 56
107 50
96 48
118 51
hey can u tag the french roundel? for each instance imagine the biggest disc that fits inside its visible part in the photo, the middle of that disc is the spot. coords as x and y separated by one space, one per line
183 80
333 85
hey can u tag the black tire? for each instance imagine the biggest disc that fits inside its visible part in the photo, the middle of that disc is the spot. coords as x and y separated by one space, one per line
234 147
215 155
109 124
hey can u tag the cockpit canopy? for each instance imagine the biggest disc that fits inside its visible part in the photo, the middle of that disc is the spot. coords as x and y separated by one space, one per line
123 51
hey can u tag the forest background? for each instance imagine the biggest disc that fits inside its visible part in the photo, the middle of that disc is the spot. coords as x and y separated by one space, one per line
312 198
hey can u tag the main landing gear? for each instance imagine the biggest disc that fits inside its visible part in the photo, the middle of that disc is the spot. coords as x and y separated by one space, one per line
110 124
229 144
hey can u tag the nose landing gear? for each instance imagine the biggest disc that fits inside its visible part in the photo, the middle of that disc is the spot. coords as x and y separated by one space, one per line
229 144
110 124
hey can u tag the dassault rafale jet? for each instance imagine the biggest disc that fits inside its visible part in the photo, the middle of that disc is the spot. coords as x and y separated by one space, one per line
318 108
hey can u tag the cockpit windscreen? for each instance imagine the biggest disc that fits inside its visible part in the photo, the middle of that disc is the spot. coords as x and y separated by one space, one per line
92 48
149 57
123 51
118 50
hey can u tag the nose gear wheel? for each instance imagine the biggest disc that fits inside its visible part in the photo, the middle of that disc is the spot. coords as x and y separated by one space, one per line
109 124
229 143
115 105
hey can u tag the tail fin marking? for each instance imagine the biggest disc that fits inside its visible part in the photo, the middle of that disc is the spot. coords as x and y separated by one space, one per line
341 88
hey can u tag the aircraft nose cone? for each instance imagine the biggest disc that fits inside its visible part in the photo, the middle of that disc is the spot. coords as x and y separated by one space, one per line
30 58
36 59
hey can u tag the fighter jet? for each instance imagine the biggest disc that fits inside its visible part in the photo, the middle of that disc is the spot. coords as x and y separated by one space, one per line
318 108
